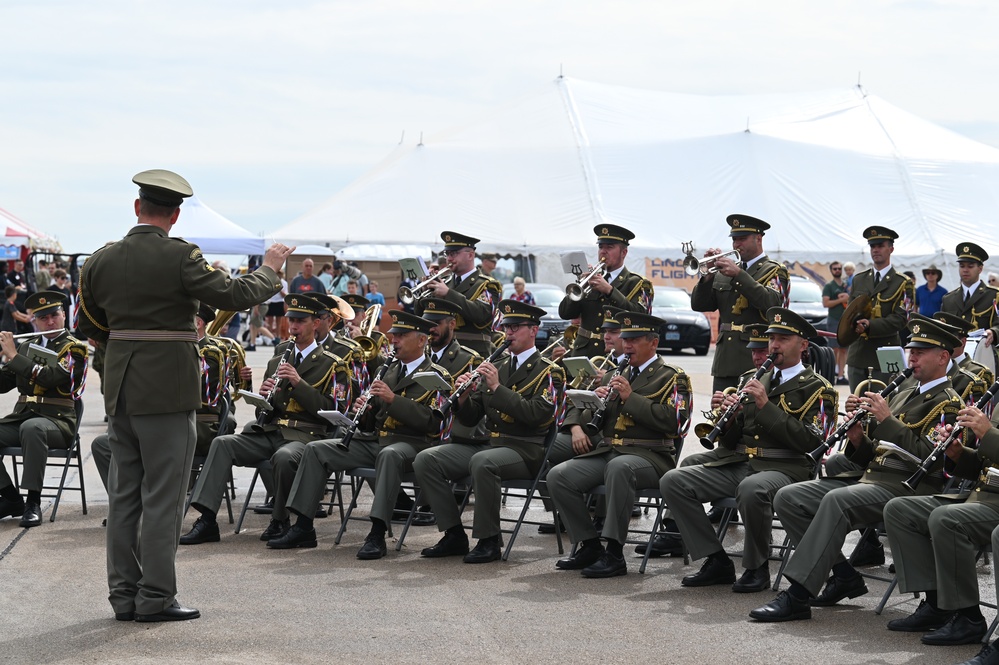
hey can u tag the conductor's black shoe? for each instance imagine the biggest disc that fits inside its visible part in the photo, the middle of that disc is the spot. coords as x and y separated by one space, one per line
663 544
549 529
265 508
715 514
584 557
751 581
716 570
609 565
837 589
203 531
451 544
294 537
989 655
959 630
10 508
867 553
124 616
924 619
486 550
32 515
173 613
373 547
784 607
275 529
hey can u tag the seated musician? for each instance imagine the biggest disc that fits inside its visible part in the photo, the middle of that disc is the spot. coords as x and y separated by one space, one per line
399 424
312 379
645 415
518 396
45 414
767 446
819 514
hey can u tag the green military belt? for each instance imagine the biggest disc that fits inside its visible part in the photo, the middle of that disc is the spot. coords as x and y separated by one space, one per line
301 425
734 327
526 439
768 453
890 465
643 443
55 401
401 437
154 335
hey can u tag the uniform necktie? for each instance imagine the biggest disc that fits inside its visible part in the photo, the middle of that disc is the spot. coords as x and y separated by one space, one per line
776 380
877 279
513 364
298 359
967 294
742 265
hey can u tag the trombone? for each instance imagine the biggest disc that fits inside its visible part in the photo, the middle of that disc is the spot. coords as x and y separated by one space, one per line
581 288
407 296
566 339
706 264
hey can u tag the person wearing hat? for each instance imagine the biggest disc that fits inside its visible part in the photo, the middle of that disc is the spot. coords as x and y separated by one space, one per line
297 385
45 414
975 301
819 514
929 296
475 292
835 295
783 417
742 292
642 427
517 398
399 424
891 295
614 286
487 264
969 378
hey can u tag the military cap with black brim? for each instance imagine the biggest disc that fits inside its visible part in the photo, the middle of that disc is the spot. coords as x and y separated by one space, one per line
206 313
404 322
782 321
875 235
41 301
611 318
758 337
300 306
637 324
514 311
930 334
436 309
162 187
969 251
954 321
613 233
358 302
454 240
333 305
744 225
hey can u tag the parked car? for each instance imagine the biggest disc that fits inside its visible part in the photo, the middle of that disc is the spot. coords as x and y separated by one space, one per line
548 297
806 299
684 327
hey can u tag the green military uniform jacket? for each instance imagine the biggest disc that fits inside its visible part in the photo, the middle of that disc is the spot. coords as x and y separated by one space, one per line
629 292
47 391
974 463
411 414
148 359
969 380
980 310
325 386
741 301
890 303
650 423
910 427
458 360
477 295
790 425
519 413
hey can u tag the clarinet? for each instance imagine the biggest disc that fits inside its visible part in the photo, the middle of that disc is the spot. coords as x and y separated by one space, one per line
453 398
344 443
858 415
939 449
709 440
596 425
266 415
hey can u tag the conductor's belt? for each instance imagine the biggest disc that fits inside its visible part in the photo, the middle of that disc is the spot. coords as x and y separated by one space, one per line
54 401
643 443
583 333
527 439
768 453
154 335
473 337
301 425
735 327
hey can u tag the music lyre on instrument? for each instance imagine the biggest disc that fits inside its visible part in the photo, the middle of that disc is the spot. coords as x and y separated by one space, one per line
706 264
582 287
408 296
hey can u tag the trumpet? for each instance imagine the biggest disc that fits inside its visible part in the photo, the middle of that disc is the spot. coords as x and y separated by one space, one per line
407 296
706 264
581 288
708 441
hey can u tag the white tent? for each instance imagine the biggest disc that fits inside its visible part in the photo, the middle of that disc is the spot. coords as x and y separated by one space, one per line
536 175
212 232
15 232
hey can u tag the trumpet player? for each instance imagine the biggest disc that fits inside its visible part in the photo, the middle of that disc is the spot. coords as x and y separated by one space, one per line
313 379
818 515
644 420
45 415
742 292
614 286
472 290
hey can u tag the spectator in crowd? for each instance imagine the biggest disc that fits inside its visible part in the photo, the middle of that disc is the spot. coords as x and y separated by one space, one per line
929 296
16 276
257 329
274 319
342 273
43 277
306 281
520 292
60 283
835 296
361 278
488 264
848 269
12 315
994 280
352 287
373 295
326 276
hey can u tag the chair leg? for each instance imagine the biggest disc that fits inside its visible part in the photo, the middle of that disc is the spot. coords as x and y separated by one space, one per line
884 599
246 502
355 489
62 484
786 550
409 519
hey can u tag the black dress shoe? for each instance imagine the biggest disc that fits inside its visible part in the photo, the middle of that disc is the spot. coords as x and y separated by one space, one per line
636 511
265 508
715 514
173 613
924 619
716 570
959 630
609 565
486 550
989 655
124 616
320 513
663 545
754 580
549 529
451 544
584 556
419 519
784 607
373 548
294 537
837 589
867 553
10 508
275 529
203 531
32 515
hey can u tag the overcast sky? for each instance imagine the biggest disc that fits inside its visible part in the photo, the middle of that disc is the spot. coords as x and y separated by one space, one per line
269 109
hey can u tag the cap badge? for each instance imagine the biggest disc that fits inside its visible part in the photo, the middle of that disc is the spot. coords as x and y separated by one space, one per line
395 318
431 305
915 329
604 231
776 318
627 321
966 249
447 237
294 302
41 301
507 309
